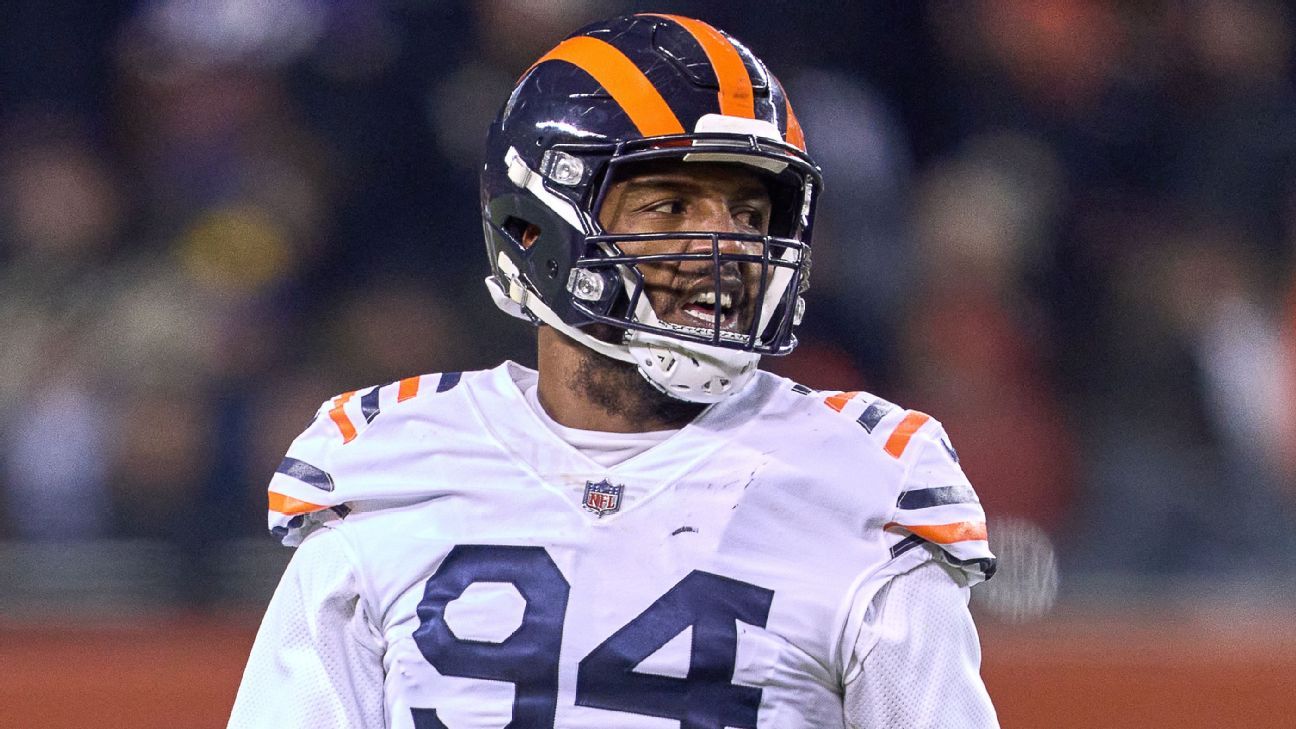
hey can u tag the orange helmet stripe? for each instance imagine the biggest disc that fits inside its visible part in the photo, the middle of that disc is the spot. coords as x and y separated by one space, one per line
628 85
794 135
736 97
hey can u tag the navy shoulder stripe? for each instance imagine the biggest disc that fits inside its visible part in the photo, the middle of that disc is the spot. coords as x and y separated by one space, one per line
937 496
906 544
369 404
306 473
874 413
448 380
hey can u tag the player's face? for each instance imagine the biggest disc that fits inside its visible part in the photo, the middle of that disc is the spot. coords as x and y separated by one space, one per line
697 197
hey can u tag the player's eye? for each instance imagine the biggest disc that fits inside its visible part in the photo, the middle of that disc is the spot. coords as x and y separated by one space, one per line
672 206
749 218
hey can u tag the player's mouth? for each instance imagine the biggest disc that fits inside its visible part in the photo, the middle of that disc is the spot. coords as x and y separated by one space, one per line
701 308
704 305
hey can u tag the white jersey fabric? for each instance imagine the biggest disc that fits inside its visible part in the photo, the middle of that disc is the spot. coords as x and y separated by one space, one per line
605 449
791 558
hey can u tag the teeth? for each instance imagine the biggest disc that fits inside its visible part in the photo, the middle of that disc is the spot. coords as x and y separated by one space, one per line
705 303
707 298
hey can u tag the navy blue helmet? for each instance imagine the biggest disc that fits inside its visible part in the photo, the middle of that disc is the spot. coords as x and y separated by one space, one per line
613 95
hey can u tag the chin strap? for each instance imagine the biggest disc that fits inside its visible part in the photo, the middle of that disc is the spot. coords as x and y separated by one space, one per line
519 302
695 373
698 373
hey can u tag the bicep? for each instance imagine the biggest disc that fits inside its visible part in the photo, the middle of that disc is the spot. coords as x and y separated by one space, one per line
918 658
317 658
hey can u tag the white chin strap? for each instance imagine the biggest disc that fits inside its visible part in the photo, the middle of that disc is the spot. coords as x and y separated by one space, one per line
686 371
693 372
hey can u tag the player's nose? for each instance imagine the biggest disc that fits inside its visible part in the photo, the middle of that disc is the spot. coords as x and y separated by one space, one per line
714 215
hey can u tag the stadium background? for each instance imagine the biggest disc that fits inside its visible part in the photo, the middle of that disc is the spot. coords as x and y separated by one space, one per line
1064 227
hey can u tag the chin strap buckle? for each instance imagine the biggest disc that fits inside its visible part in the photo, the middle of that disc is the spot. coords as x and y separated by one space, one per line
516 290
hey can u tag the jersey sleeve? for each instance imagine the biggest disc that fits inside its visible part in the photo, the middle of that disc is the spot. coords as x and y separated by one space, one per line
331 464
936 512
917 660
317 658
303 493
932 523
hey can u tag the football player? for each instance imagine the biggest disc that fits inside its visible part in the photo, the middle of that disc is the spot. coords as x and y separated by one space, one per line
648 531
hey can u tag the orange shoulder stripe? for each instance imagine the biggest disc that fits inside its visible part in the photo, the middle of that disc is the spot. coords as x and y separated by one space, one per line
838 401
628 85
736 96
341 419
289 506
962 531
409 387
899 439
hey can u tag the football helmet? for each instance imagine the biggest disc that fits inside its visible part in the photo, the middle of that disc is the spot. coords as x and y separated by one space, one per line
640 88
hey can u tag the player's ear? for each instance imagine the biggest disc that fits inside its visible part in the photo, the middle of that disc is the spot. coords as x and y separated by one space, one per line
529 235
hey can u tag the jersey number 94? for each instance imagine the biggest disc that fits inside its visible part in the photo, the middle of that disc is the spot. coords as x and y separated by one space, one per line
710 604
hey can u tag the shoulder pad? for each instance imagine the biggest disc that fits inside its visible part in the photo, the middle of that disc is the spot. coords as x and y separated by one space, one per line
303 492
887 424
936 507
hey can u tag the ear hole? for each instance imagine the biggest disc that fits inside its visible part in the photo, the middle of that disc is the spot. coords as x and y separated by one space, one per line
522 231
529 235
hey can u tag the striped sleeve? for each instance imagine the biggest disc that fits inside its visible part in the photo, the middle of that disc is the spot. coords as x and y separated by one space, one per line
307 489
936 507
303 493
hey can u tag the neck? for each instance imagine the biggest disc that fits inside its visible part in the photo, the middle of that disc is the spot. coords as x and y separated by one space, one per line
580 388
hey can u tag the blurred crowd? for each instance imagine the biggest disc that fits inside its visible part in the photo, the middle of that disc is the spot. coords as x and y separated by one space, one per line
1066 228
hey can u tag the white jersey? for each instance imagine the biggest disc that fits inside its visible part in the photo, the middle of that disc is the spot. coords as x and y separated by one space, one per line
722 578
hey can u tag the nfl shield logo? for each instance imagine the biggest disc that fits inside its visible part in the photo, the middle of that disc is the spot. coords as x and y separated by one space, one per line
602 498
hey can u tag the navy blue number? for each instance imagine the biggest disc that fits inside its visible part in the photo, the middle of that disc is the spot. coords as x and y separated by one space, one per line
427 719
710 604
529 657
707 698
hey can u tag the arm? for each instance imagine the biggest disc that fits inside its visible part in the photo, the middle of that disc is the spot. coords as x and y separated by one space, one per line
917 659
317 659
